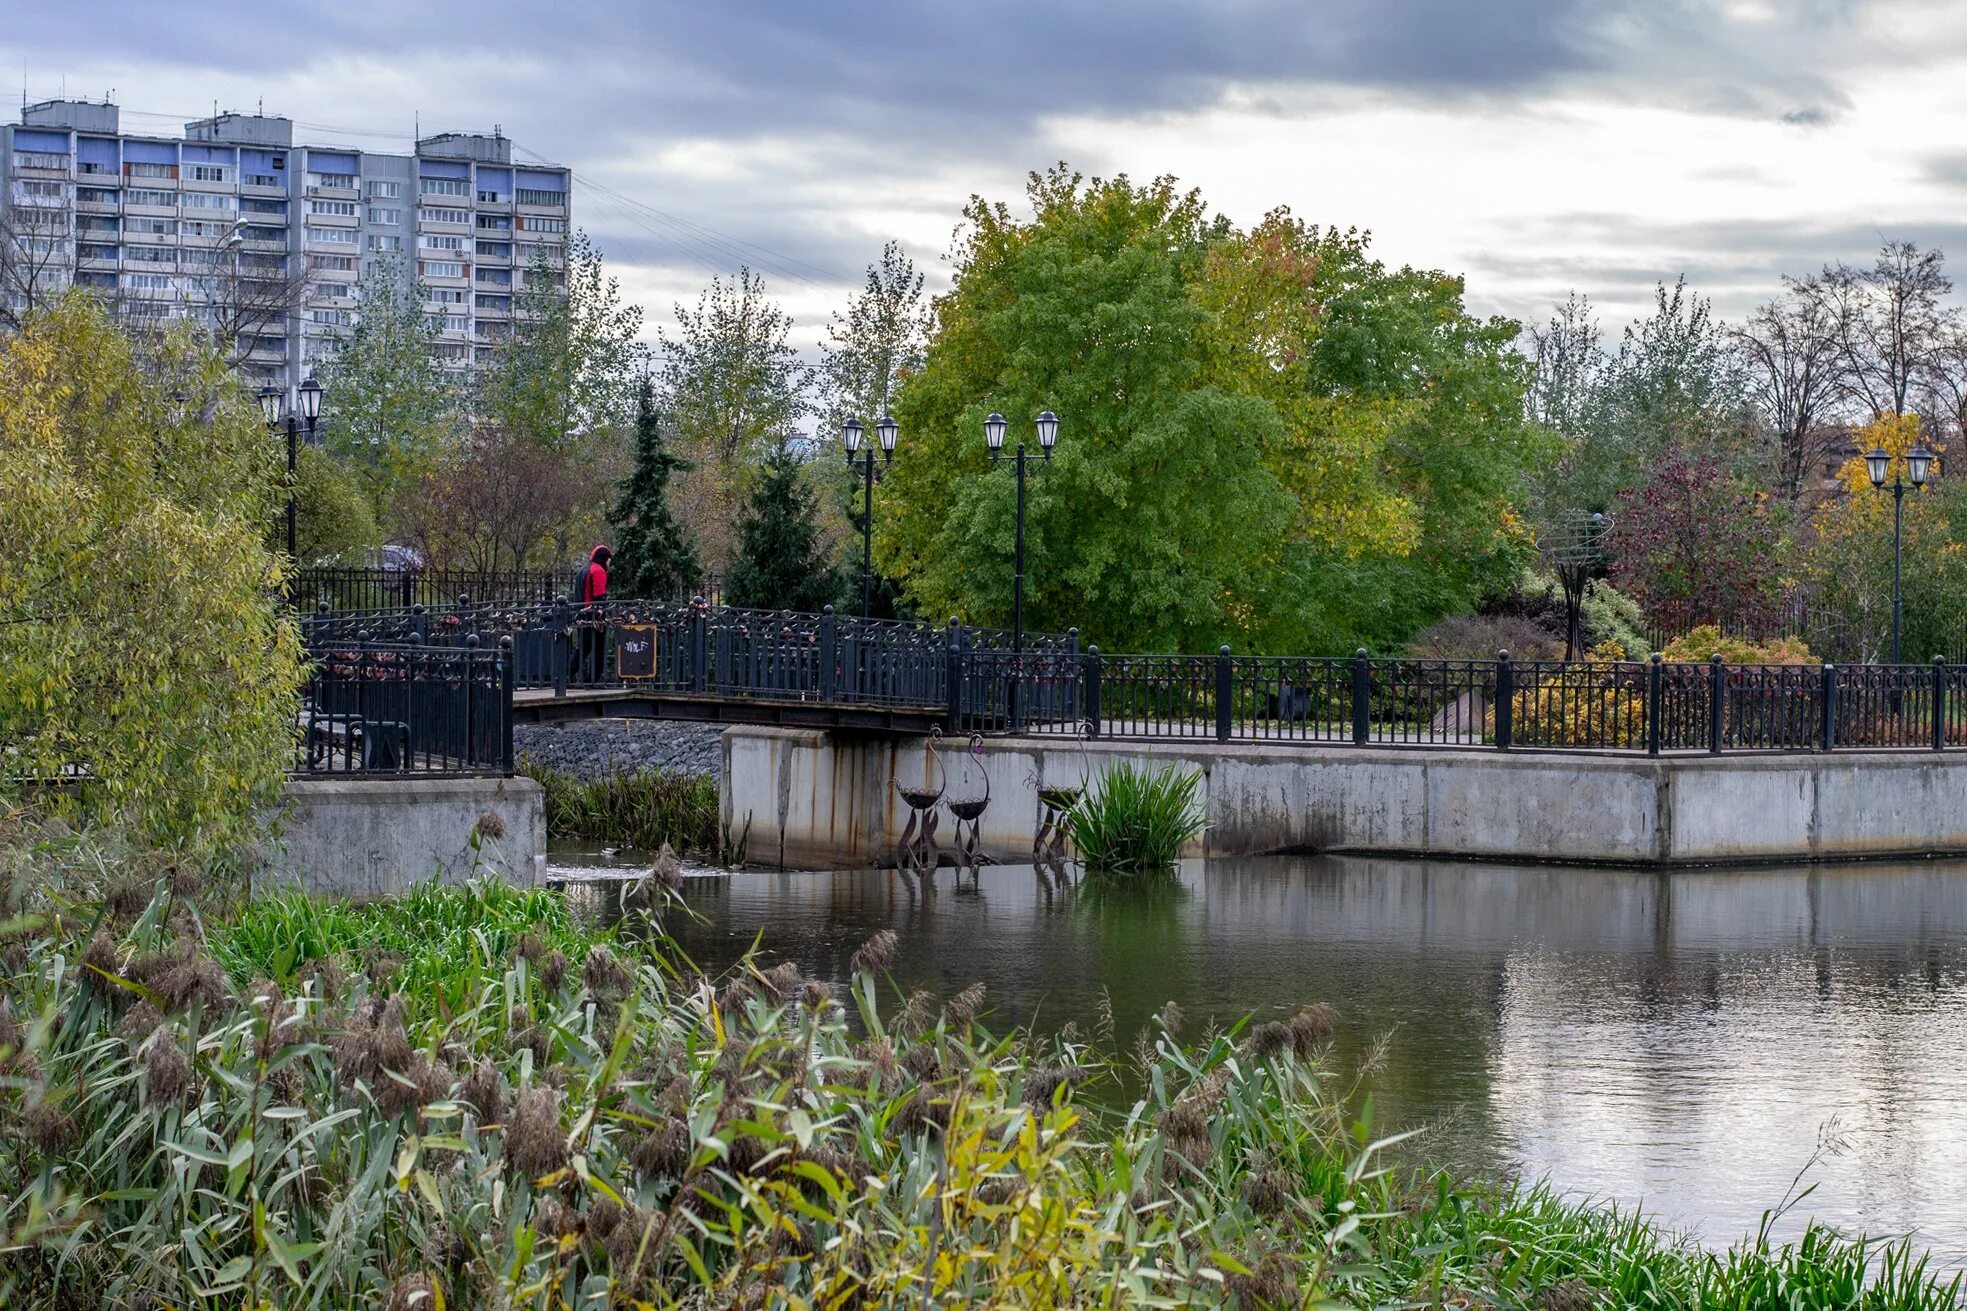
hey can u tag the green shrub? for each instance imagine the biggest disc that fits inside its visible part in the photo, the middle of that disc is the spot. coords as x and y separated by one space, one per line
1136 820
643 809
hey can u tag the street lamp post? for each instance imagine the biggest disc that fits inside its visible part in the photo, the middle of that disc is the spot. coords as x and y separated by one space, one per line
1919 464
1048 436
307 399
886 431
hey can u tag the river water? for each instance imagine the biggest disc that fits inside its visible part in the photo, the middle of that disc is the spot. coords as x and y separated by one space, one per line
1684 1041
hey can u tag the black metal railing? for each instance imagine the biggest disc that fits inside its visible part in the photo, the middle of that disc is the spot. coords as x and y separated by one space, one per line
973 682
1646 706
407 709
356 589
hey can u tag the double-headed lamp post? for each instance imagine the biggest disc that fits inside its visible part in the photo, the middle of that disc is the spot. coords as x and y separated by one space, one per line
1048 436
886 430
1919 465
307 400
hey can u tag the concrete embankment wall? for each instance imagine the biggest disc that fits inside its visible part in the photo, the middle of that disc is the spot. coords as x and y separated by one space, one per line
825 799
372 837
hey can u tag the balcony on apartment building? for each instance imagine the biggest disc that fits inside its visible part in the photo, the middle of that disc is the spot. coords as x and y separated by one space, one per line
332 186
264 186
99 203
43 164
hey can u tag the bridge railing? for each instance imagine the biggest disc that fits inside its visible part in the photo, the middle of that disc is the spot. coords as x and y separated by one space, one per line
347 589
381 709
1635 706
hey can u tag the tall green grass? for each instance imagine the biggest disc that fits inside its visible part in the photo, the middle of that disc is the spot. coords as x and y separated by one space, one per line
1135 820
439 940
643 809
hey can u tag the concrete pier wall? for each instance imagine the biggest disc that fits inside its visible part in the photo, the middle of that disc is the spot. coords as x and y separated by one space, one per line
375 836
822 799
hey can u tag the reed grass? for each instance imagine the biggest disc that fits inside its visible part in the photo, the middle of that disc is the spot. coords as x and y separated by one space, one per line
1136 820
642 809
624 1132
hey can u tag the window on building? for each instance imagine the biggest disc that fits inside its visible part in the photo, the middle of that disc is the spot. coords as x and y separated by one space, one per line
40 193
93 167
495 277
199 255
446 296
40 159
96 195
381 190
449 322
534 223
88 251
151 170
443 187
332 208
495 222
258 233
377 214
492 302
331 236
385 243
439 268
496 249
262 179
142 196
345 181
208 200
211 173
147 281
276 208
96 281
153 255
533 196
97 223
428 215
332 263
433 241
490 197
203 228
152 227
332 318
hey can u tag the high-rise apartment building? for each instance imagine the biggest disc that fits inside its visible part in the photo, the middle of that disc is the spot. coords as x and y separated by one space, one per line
266 240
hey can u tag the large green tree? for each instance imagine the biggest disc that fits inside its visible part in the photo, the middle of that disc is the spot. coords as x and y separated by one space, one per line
654 557
781 561
566 375
143 650
1268 437
390 409
733 386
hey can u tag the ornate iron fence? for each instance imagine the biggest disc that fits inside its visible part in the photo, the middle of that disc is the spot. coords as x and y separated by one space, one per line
431 711
357 589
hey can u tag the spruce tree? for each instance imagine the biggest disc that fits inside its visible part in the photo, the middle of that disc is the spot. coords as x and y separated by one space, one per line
781 563
654 558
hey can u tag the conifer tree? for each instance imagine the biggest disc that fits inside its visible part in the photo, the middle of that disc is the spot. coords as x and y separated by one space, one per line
654 558
781 563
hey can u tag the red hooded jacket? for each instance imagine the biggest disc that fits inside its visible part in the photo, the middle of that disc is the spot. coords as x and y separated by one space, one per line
594 578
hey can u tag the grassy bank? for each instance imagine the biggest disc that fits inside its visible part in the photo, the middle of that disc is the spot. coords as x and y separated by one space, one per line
561 1121
643 810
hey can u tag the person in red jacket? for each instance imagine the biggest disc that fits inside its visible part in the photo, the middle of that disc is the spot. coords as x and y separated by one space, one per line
594 589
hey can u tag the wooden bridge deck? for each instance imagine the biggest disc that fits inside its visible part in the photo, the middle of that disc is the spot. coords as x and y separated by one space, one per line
543 706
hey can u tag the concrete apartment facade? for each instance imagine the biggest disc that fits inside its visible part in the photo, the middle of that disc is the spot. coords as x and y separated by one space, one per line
186 226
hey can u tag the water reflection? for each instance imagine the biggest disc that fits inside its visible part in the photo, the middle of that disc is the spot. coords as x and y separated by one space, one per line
1673 1039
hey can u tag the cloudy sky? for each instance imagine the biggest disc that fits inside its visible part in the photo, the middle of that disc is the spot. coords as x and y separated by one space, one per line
1534 146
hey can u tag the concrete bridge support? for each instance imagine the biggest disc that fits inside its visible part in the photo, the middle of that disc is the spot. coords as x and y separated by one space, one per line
826 800
370 837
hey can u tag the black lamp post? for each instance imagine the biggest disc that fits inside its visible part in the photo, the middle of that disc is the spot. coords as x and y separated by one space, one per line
1919 464
886 431
307 398
1048 436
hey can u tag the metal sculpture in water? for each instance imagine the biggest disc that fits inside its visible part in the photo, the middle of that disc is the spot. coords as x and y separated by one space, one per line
969 812
1056 804
916 852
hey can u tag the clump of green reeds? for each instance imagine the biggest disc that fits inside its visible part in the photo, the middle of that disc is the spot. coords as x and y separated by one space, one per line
1136 820
643 809
437 939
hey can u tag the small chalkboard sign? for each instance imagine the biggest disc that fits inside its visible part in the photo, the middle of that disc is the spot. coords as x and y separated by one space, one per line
635 651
